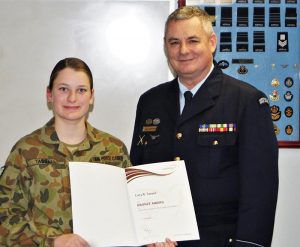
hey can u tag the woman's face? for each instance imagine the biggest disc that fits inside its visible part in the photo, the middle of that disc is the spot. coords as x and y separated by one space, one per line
71 95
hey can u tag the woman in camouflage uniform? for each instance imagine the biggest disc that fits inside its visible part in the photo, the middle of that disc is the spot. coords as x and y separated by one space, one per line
35 199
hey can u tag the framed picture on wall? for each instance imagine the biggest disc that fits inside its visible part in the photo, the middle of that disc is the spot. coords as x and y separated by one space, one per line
259 42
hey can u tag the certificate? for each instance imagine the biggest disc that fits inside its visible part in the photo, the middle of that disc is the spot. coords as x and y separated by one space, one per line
144 204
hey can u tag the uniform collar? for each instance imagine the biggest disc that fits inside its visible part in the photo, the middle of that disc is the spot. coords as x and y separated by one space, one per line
183 88
206 97
50 136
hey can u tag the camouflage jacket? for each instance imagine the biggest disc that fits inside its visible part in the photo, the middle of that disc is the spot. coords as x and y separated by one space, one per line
35 200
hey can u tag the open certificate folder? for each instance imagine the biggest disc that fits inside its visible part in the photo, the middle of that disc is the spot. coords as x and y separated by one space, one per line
144 204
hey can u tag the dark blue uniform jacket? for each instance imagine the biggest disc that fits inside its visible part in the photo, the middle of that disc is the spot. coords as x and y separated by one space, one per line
233 173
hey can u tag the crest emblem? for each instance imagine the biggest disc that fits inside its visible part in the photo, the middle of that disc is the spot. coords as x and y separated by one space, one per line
275 113
223 64
288 111
289 82
242 70
276 129
289 129
288 96
275 82
274 96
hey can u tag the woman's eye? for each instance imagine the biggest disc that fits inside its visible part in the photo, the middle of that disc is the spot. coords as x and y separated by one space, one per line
63 89
82 90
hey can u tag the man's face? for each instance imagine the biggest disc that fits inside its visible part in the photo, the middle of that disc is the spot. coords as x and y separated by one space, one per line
189 49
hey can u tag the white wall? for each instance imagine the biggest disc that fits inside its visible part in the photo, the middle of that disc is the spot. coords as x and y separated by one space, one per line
121 41
35 34
287 222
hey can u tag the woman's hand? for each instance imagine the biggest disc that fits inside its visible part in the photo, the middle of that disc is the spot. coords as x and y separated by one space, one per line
168 243
70 240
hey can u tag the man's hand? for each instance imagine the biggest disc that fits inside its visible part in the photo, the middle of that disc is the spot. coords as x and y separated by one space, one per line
70 240
168 243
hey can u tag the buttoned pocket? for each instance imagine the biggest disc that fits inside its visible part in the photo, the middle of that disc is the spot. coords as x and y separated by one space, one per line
216 140
48 176
220 152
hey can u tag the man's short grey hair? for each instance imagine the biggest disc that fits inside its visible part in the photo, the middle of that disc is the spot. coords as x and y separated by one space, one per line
187 12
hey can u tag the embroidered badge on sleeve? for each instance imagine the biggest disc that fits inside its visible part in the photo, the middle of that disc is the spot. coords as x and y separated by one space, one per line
263 100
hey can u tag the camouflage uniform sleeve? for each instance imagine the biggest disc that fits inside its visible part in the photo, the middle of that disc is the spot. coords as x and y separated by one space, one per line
126 161
17 228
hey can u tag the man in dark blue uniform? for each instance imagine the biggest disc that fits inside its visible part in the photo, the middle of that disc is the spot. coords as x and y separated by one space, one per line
223 131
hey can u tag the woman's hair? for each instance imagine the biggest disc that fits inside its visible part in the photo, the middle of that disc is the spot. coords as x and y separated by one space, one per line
187 12
73 63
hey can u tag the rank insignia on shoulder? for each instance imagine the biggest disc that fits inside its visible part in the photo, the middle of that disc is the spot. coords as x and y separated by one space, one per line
263 100
215 128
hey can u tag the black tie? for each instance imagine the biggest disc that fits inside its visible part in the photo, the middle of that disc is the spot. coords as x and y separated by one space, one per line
187 99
